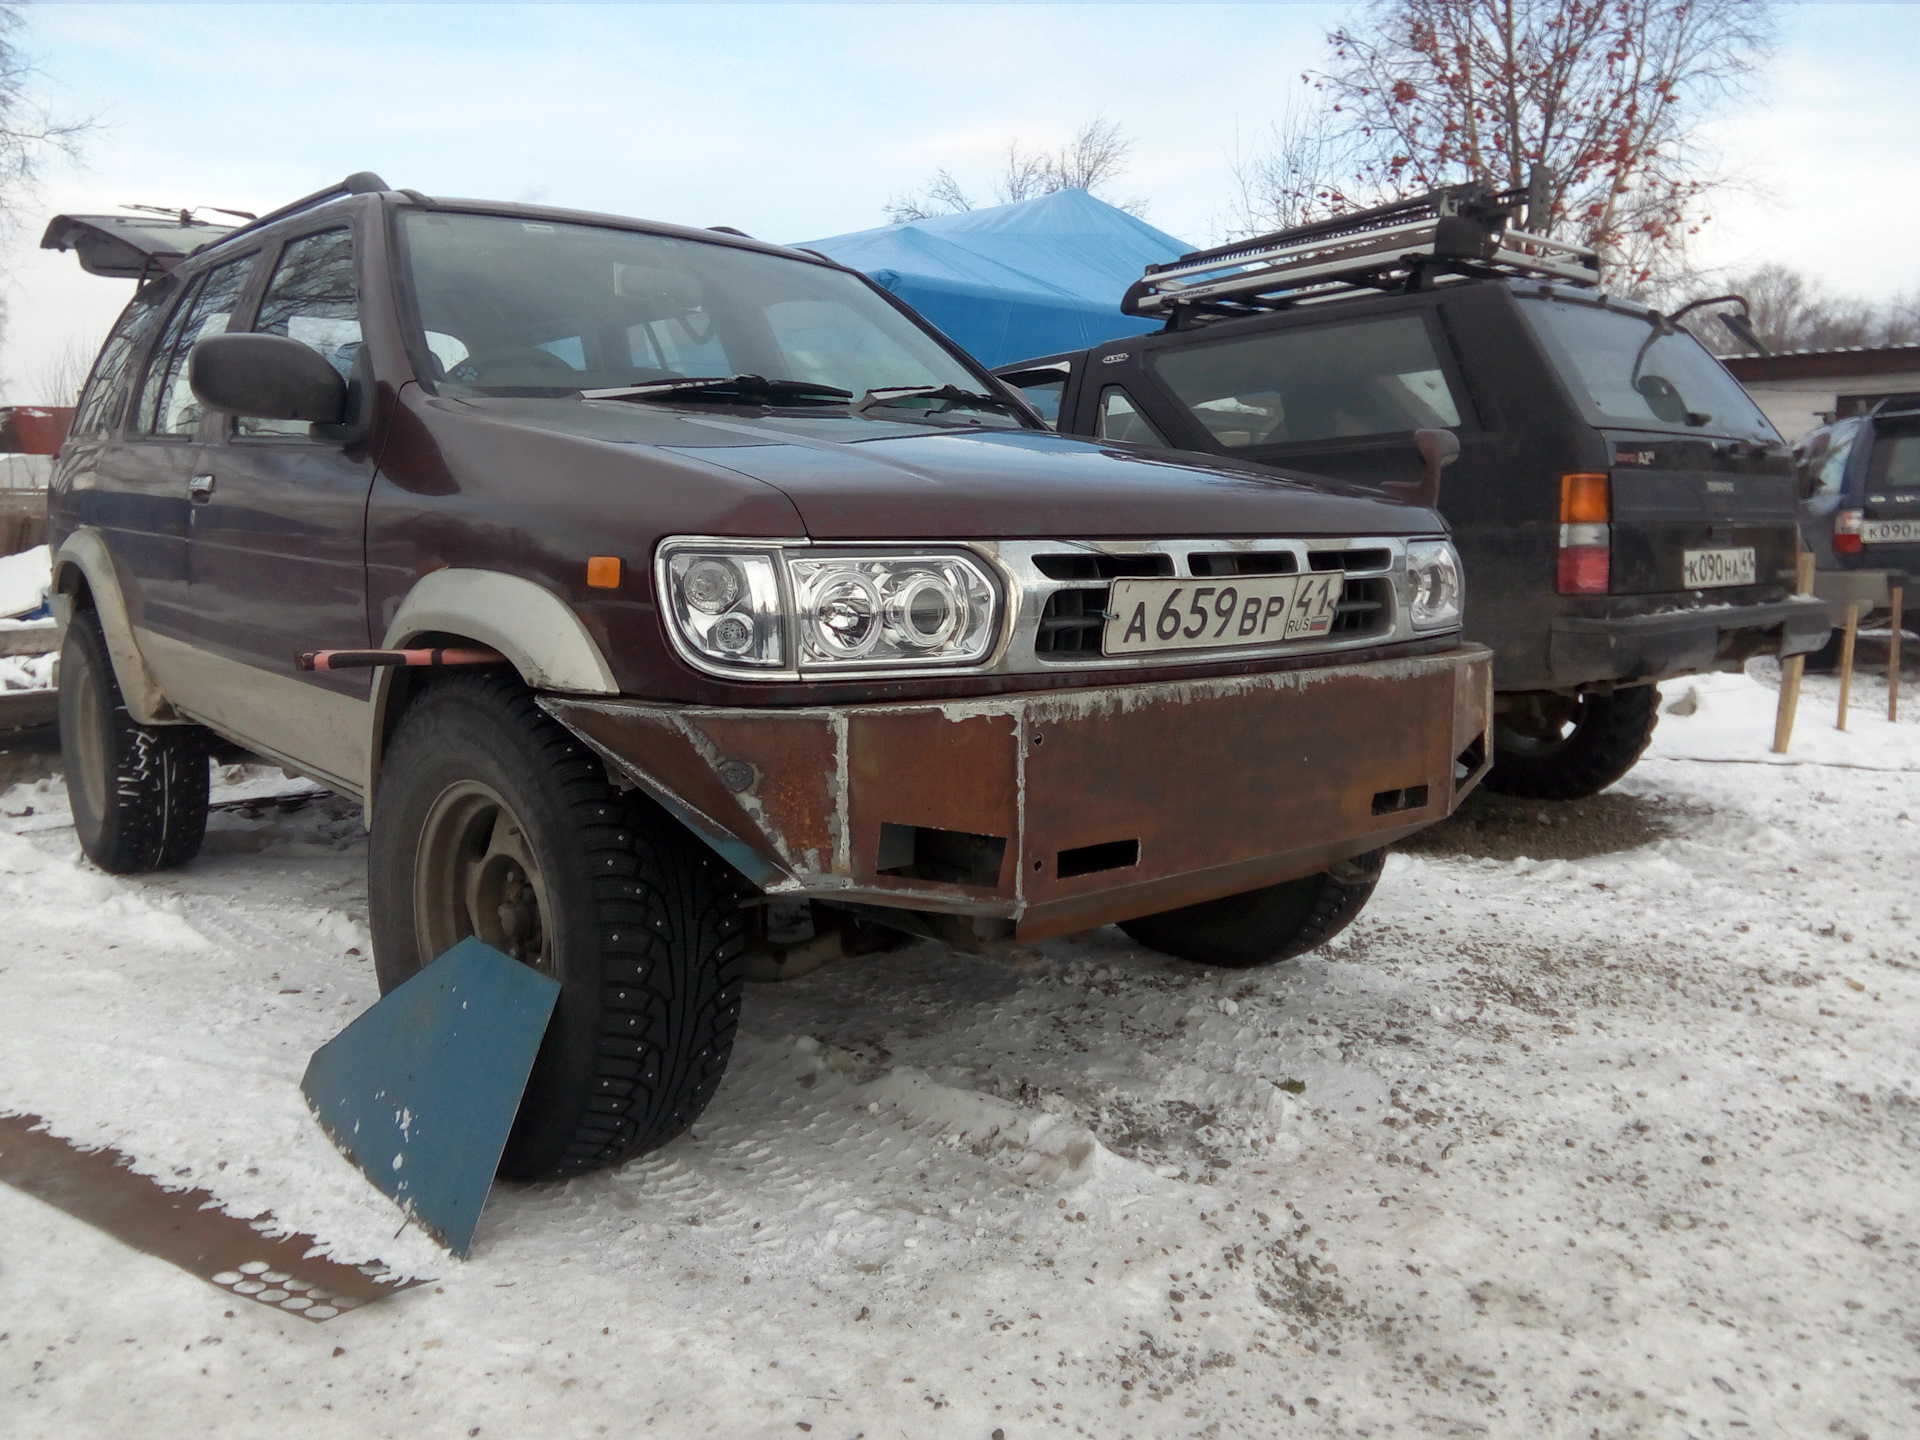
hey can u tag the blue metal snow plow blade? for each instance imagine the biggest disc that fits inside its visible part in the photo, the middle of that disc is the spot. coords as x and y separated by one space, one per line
421 1090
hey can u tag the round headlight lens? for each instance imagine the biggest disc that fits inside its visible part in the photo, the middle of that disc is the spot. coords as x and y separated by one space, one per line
731 634
1436 592
846 615
711 586
926 611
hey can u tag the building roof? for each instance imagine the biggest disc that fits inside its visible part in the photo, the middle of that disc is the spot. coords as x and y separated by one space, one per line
1841 363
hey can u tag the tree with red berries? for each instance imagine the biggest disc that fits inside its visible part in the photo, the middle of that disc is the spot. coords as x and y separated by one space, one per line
1603 97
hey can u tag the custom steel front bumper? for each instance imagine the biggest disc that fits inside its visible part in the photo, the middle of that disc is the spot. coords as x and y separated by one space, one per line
1053 811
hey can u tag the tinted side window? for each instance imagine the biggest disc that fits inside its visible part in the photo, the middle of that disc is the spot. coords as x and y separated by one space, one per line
1895 462
1370 377
1830 476
106 393
313 298
1044 396
1120 420
167 405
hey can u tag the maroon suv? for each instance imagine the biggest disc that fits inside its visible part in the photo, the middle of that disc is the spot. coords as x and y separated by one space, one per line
708 604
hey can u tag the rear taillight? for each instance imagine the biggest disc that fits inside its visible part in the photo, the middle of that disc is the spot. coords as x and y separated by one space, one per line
1586 534
1846 532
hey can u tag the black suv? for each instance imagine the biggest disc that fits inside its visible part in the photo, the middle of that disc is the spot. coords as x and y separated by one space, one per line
1624 511
1860 513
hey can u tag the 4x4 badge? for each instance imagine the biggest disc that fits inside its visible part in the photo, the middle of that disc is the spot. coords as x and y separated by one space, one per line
1633 457
1116 359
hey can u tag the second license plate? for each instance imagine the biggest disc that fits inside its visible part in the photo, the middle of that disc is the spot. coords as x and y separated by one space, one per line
1890 532
1704 569
1149 615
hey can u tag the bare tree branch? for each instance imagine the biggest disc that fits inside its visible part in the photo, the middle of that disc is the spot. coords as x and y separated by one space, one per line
1606 94
1791 311
1094 157
29 134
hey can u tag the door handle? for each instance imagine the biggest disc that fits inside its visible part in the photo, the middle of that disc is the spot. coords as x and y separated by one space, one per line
200 489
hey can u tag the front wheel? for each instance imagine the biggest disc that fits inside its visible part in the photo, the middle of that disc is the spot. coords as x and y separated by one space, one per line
1567 747
138 792
492 820
1264 926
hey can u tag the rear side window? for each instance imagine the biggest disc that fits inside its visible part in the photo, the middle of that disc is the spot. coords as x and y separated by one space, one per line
1628 372
313 298
1895 464
167 406
1830 474
105 397
1370 377
1121 420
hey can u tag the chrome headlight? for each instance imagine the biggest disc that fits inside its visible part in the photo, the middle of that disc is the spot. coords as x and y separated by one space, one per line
755 609
1435 592
725 607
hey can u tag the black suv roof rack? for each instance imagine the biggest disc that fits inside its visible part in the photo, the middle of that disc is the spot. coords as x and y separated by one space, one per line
1461 230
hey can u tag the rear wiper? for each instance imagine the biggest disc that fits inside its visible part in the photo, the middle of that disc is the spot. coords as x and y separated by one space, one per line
755 386
889 394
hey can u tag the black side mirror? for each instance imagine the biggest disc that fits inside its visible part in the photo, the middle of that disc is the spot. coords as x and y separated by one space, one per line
1438 449
266 377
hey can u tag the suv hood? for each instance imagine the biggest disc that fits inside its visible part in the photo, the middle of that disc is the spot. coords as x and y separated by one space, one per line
865 479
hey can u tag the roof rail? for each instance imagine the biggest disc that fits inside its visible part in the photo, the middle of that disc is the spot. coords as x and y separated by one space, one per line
1459 230
361 182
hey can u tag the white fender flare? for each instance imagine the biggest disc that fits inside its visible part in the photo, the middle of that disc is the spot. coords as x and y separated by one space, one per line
534 628
86 553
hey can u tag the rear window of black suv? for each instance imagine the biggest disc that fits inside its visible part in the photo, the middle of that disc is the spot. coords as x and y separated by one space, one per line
1625 372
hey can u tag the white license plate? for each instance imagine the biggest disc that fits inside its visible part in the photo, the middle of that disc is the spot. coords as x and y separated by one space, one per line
1149 615
1704 569
1890 532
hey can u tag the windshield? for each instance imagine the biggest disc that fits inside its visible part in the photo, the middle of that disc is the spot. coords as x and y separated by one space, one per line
519 307
1631 374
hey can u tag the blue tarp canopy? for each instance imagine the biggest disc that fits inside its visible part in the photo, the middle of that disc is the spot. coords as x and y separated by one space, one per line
1015 281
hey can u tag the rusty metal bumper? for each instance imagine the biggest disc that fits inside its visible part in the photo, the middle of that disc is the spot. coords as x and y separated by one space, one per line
1060 810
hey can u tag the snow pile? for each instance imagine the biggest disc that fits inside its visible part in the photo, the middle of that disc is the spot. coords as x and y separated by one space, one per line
1603 1118
27 672
25 579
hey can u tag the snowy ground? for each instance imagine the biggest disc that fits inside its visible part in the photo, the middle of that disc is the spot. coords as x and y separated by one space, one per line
1602 1121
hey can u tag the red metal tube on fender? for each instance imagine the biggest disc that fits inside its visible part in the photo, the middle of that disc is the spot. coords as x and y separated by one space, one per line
374 659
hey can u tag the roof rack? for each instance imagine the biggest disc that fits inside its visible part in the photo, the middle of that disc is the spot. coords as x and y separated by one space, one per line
361 182
1459 230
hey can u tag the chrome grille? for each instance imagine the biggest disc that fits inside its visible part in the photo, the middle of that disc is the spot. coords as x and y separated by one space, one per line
1064 589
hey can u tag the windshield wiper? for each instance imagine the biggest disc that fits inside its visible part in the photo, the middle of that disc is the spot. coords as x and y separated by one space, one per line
757 387
889 394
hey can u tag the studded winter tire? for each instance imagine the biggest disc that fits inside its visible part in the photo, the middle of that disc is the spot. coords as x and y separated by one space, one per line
1566 747
1264 926
491 819
138 792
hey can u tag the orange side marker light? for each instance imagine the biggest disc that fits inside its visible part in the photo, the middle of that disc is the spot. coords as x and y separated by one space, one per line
603 572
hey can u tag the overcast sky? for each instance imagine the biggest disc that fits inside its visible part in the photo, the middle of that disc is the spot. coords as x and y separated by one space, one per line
795 122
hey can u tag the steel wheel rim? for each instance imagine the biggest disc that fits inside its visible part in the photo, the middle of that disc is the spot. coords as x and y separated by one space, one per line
90 740
475 874
1537 728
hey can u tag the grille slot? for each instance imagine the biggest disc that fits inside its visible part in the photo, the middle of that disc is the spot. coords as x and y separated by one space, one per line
1071 624
1088 566
1350 559
1244 562
1365 606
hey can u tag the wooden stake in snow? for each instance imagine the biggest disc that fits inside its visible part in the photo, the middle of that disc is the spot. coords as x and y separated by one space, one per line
1893 657
1791 669
1846 660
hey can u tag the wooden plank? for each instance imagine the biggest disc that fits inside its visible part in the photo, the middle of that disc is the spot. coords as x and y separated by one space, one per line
20 709
1893 656
1846 661
1792 669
